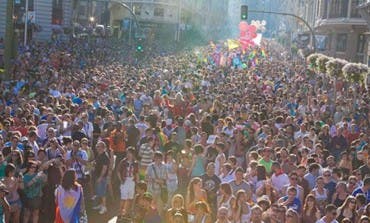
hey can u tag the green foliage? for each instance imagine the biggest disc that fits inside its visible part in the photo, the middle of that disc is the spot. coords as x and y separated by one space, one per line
321 63
334 67
311 60
355 72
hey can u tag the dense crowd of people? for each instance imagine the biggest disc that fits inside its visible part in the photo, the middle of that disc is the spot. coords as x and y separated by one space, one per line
200 137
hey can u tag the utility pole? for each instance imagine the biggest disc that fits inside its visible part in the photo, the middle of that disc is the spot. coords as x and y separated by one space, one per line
9 39
26 25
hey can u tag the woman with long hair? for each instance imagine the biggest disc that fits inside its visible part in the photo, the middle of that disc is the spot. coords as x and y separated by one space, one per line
261 176
226 198
69 199
241 210
347 210
13 184
16 158
311 212
177 206
340 194
195 193
33 181
202 214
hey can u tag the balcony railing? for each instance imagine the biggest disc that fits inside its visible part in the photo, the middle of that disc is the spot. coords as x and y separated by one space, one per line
363 3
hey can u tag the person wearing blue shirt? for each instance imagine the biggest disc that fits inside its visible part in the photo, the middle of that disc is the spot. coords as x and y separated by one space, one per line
365 189
291 201
313 173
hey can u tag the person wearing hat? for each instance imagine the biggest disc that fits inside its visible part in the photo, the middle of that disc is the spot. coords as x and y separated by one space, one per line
150 214
4 205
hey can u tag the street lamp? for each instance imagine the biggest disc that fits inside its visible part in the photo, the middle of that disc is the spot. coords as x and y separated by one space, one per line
91 19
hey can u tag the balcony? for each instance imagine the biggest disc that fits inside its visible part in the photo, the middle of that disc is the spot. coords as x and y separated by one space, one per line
363 3
340 22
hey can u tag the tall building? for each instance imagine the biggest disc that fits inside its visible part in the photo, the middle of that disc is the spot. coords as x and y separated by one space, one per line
166 18
339 28
46 15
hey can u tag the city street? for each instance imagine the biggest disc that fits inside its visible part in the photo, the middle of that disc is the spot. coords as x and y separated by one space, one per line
194 111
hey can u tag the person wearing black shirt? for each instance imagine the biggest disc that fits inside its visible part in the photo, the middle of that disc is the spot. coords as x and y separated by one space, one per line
211 184
101 173
133 134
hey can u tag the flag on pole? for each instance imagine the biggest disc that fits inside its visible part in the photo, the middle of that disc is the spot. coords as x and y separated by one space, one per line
232 44
258 39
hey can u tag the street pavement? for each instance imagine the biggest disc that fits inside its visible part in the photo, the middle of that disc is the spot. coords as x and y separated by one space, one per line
110 216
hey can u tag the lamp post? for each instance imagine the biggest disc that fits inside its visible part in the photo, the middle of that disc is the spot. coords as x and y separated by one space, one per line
9 53
26 25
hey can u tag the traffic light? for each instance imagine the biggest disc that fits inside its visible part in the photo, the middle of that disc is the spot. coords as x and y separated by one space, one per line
139 46
244 12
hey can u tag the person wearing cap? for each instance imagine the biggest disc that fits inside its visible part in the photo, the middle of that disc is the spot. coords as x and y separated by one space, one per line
151 214
4 205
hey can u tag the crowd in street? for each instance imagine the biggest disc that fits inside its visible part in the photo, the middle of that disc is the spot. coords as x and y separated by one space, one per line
190 137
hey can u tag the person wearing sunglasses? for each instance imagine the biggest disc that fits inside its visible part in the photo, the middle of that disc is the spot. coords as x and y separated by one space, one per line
330 214
347 210
33 182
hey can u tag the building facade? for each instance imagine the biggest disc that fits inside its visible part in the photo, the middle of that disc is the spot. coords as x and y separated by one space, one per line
46 15
169 18
340 30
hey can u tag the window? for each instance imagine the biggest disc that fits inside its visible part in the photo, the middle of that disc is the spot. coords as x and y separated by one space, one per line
341 42
322 42
323 9
159 12
339 8
57 12
361 43
137 9
354 11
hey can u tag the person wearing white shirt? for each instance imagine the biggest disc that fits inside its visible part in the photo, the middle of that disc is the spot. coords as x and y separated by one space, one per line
227 173
278 179
88 127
